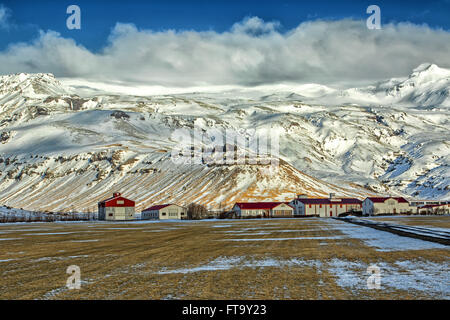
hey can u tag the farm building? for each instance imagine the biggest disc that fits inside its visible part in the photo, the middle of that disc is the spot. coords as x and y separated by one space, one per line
263 209
164 211
116 208
421 203
434 209
325 207
387 205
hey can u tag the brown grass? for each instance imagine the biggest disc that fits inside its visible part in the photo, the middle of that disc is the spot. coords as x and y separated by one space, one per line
124 263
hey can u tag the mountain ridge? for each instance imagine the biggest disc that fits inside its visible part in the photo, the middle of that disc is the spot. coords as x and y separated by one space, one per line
396 144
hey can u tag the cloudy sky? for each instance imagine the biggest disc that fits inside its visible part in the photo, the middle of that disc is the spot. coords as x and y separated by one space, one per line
201 43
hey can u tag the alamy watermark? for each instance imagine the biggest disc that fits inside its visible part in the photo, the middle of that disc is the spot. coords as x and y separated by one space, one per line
74 280
215 146
74 20
374 280
374 21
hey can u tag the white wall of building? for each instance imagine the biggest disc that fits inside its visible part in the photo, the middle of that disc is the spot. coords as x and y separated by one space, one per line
389 206
171 212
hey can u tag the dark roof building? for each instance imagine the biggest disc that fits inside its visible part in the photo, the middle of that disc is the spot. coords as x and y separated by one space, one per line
164 211
258 205
383 199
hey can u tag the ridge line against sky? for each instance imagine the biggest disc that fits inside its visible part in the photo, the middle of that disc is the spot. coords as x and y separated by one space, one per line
252 51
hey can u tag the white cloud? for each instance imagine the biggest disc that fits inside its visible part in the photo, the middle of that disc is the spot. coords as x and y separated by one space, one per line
255 26
4 16
252 52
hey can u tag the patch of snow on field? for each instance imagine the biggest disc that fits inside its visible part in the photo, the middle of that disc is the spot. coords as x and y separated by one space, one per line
125 228
221 263
299 230
261 231
285 239
27 230
55 292
243 233
347 272
226 263
47 233
424 276
384 241
58 258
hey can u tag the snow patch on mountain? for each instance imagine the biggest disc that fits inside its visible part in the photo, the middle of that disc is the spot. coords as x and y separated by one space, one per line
61 148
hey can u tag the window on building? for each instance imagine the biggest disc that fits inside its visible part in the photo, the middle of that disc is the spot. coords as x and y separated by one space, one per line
120 202
110 215
163 213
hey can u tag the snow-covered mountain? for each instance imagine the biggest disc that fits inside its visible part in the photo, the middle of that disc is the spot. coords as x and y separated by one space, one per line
427 86
64 150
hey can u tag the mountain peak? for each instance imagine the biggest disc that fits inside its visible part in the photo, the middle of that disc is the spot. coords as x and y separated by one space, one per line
429 72
31 84
22 76
426 67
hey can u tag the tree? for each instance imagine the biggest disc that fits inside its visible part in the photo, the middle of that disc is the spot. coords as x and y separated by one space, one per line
196 211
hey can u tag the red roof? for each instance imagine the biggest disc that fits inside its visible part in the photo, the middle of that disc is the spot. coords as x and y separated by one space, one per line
328 201
259 205
157 207
383 199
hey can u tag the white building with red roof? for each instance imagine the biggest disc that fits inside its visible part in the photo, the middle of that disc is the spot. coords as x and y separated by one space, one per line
326 207
116 208
387 205
164 212
263 210
434 209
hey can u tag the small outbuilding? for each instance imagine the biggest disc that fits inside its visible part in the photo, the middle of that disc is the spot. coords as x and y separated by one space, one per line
116 208
164 212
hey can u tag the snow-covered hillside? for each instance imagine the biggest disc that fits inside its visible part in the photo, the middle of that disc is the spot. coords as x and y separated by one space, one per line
64 150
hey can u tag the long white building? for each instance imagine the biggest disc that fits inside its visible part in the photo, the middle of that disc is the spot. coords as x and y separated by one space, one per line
263 210
325 207
164 212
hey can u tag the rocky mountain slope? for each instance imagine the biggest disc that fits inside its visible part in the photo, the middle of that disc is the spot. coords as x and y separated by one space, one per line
61 150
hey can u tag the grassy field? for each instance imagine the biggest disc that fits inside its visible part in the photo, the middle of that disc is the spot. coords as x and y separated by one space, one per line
235 259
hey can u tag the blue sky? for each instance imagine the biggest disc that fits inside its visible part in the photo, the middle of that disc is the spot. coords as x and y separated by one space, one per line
217 42
99 17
